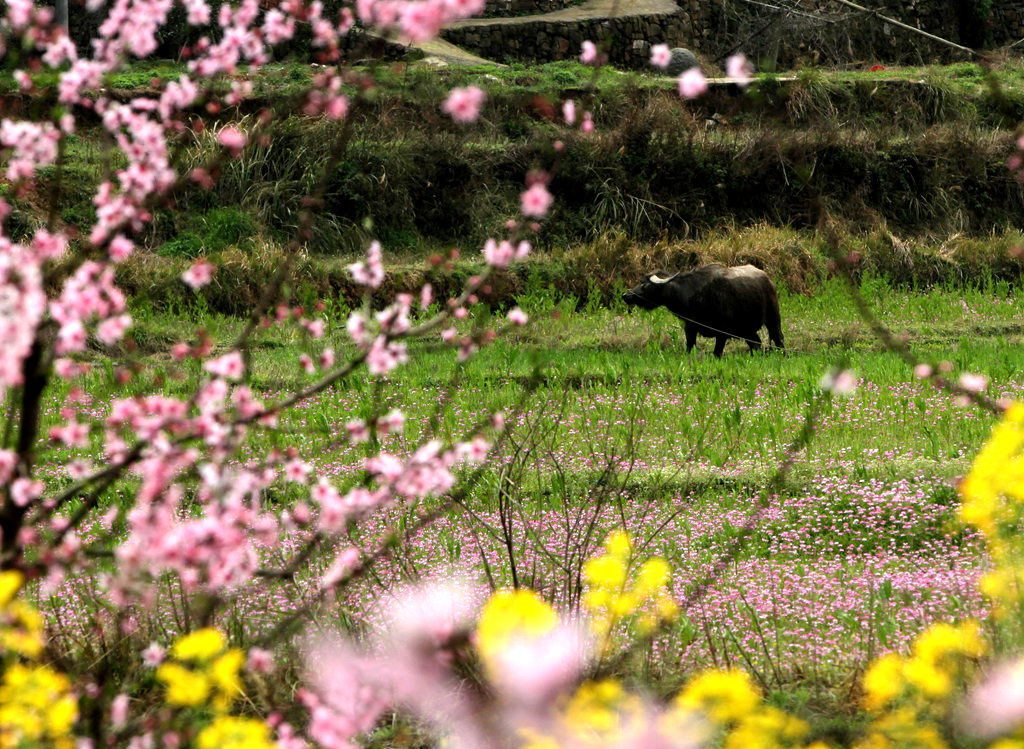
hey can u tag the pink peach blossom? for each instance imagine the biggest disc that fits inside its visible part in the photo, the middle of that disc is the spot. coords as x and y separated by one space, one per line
660 56
536 200
692 84
589 54
463 104
738 67
198 275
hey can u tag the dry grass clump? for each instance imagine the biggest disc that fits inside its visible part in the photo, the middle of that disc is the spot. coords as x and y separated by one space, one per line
785 254
799 259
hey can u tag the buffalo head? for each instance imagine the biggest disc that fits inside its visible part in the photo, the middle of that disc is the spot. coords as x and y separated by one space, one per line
649 293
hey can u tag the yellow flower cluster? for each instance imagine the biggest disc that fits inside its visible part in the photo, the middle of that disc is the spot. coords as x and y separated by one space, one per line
731 702
510 614
911 696
601 713
993 501
717 708
940 656
206 671
722 704
36 707
21 627
724 696
36 704
609 597
231 732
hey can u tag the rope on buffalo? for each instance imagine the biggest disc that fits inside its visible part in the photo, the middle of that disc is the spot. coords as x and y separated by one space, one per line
725 333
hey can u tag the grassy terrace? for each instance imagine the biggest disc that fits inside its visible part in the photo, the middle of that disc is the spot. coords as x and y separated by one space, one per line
912 164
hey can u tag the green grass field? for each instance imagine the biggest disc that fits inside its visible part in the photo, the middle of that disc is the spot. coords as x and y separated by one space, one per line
621 428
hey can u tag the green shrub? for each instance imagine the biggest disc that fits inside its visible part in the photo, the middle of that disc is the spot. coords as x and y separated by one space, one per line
184 245
224 227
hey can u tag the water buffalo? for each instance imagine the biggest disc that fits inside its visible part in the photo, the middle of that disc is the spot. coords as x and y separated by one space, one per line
715 302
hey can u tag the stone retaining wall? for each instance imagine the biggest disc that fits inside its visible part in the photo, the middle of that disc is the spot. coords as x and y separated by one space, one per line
1008 22
822 33
631 37
827 33
505 8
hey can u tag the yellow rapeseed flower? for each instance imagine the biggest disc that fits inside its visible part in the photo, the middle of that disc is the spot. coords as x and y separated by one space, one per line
618 544
905 728
929 678
653 576
766 728
996 473
610 599
201 645
625 604
534 740
36 707
596 599
185 686
666 607
606 571
224 672
599 711
725 696
509 614
883 681
28 644
10 583
942 639
1003 587
22 630
231 732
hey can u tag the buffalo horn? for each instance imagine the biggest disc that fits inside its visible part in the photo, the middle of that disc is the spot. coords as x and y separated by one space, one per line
659 279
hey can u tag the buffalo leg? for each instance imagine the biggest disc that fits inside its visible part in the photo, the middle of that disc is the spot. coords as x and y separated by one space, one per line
754 341
691 338
720 345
